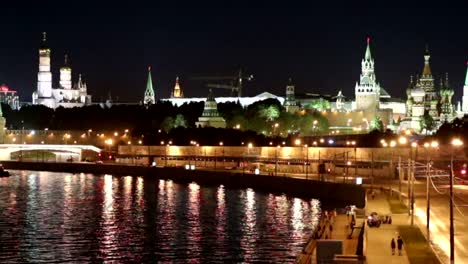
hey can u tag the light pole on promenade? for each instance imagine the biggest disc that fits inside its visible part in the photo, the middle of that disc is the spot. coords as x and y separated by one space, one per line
433 144
307 161
276 159
222 150
411 180
455 143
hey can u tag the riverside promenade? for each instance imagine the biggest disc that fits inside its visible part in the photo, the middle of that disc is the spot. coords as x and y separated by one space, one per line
340 231
416 249
378 239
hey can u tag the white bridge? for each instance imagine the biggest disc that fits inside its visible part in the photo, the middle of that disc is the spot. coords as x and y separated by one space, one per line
61 152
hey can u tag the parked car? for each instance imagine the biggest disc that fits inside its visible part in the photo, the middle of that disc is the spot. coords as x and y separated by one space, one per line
373 220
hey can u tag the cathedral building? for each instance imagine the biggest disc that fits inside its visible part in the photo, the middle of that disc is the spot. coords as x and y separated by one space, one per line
210 116
424 101
66 95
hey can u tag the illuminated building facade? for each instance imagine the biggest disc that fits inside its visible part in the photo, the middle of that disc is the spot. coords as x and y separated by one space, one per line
424 100
9 97
210 116
66 95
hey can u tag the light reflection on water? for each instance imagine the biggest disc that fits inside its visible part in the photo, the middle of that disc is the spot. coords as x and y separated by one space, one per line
83 218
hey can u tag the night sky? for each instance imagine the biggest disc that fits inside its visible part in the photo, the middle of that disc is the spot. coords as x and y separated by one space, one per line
320 47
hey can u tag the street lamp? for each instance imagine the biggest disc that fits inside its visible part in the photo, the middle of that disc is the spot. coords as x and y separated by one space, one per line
222 145
456 142
411 181
315 127
434 144
307 161
297 142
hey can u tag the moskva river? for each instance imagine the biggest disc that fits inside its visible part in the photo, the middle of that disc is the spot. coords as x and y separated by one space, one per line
82 218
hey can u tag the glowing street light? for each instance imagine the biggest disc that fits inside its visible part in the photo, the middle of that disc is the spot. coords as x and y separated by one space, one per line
403 140
297 142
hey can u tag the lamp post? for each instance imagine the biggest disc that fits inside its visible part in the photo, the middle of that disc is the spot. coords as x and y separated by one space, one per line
222 145
109 143
411 180
455 143
434 144
307 161
22 132
276 159
314 127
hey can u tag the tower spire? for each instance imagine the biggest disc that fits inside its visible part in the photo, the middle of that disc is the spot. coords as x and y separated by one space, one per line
149 92
66 61
427 69
177 92
368 55
466 77
44 41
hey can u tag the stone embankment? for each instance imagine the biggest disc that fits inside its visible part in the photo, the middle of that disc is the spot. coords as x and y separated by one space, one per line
332 193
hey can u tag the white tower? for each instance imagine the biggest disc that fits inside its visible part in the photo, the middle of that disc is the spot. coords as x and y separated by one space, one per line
65 75
367 90
44 77
465 92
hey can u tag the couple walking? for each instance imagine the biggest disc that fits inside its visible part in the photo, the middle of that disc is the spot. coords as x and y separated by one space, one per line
399 243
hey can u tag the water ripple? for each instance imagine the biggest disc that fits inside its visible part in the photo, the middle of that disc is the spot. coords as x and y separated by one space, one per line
63 218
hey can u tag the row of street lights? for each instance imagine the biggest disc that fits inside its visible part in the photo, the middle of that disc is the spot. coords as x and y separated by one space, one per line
455 143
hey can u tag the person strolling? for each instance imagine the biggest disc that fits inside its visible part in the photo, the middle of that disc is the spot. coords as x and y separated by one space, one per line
400 245
393 245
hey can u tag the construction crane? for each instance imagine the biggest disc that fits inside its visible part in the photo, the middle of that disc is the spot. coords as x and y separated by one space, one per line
235 82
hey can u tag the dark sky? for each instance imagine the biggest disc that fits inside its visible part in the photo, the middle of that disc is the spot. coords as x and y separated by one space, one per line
319 45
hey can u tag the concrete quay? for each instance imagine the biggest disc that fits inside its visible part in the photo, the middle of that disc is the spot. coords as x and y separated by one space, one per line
341 232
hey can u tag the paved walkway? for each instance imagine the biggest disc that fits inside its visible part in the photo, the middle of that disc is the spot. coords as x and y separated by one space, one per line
340 232
378 239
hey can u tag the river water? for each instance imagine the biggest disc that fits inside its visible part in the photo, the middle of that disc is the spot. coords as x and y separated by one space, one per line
82 218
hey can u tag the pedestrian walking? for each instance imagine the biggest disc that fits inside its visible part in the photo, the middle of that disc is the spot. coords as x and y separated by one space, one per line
331 230
400 245
390 220
392 244
373 195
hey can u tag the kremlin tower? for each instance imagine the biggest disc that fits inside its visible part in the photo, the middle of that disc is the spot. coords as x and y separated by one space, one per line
367 90
177 92
465 92
149 92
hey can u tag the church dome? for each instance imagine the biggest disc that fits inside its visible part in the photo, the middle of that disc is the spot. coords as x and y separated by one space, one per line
418 92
